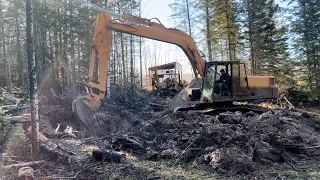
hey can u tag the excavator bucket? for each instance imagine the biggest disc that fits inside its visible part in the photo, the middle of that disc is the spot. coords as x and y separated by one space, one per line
84 107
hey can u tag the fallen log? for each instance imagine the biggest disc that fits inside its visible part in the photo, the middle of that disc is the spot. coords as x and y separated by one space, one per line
124 142
45 149
153 178
17 109
62 135
155 104
109 156
44 139
33 163
291 106
26 173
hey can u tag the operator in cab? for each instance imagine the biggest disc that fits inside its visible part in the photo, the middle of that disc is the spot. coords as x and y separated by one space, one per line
222 82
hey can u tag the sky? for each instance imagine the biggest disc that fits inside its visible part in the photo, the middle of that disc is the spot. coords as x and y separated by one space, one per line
166 53
159 9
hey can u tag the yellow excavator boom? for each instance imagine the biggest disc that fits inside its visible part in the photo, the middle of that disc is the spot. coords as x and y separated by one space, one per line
101 49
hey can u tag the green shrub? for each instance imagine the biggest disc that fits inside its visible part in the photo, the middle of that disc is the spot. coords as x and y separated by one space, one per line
128 96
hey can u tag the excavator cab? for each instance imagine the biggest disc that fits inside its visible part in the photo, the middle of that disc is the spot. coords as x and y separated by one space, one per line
223 79
228 81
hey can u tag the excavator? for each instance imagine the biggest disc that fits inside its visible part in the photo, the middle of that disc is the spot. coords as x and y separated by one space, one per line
239 85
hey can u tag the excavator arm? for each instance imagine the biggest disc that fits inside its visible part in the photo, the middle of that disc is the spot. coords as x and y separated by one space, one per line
101 49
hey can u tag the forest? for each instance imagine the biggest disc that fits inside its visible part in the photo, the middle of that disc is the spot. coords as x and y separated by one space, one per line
48 65
273 40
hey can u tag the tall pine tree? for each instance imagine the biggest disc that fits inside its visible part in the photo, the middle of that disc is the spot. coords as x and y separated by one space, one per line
306 38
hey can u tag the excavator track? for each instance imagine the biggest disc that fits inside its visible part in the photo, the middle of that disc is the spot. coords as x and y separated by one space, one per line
215 108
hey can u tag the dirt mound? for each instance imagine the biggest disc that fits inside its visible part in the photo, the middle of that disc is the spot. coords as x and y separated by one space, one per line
230 141
233 142
111 117
115 114
58 112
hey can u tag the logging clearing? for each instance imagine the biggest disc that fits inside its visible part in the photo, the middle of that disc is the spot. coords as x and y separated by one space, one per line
179 89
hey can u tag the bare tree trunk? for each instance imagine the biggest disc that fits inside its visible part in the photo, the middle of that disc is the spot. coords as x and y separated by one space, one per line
141 84
228 50
109 67
131 55
146 57
123 59
8 78
221 51
51 50
208 30
60 46
78 63
32 77
140 53
228 30
56 52
188 16
114 58
127 60
251 31
73 64
18 49
44 36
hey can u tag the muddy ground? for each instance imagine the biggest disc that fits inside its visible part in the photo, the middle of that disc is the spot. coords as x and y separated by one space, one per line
162 144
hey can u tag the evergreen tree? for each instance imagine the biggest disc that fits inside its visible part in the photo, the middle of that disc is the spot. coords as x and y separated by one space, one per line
268 48
306 38
224 23
183 15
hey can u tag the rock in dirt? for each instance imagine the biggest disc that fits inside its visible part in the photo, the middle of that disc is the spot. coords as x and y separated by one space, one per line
108 155
230 159
265 153
152 155
169 154
190 154
305 115
210 149
250 114
266 115
230 118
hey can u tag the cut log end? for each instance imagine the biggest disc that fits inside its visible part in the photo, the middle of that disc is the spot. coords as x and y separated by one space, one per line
109 156
25 173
